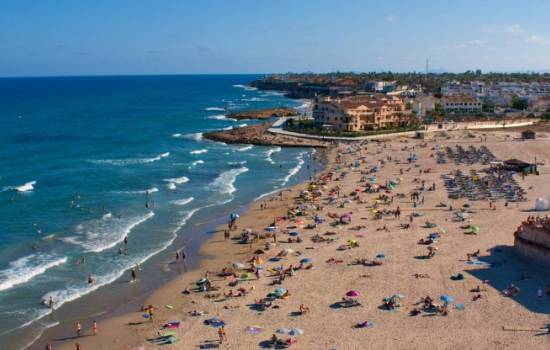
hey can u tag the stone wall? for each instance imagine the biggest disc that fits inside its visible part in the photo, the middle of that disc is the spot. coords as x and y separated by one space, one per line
533 244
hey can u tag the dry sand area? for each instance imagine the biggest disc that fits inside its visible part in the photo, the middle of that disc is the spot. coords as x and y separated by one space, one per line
479 325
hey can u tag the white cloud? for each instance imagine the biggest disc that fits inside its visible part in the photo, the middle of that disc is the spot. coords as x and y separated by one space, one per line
390 18
477 42
515 29
537 39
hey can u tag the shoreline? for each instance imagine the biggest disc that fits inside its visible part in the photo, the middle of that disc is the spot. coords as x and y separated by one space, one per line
480 322
203 257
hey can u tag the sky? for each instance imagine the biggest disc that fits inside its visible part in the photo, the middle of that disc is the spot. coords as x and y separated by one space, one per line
106 37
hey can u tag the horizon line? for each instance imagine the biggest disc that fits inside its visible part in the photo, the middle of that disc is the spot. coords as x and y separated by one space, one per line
435 72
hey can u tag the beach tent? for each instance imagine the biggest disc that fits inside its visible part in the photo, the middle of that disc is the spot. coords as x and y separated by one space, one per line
541 204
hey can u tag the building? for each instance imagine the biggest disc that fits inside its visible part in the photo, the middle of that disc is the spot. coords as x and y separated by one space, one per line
381 86
461 104
361 112
532 240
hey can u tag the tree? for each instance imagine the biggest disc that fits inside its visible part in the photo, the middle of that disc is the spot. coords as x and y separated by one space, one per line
519 103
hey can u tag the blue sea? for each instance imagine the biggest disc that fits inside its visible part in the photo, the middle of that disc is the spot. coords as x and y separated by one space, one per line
88 161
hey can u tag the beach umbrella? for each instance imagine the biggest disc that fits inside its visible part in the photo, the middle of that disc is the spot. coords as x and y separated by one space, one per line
447 299
295 331
287 251
474 228
293 233
283 330
279 292
306 260
352 293
253 329
246 276
234 216
238 265
270 228
290 331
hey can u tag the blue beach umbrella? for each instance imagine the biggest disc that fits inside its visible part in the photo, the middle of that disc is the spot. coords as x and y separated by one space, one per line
234 216
293 233
447 299
306 260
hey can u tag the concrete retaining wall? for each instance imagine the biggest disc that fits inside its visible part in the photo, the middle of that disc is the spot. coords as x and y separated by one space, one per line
277 129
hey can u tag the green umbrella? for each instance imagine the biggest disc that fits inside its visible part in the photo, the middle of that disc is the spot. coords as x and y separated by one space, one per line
474 228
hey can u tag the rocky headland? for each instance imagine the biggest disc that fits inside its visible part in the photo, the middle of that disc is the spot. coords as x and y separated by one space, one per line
259 135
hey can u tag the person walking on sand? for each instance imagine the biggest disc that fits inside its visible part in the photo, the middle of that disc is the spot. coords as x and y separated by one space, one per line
49 346
226 235
78 329
134 275
177 255
94 327
221 334
77 346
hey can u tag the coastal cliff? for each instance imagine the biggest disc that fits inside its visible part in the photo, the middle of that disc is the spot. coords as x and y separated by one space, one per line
264 113
258 135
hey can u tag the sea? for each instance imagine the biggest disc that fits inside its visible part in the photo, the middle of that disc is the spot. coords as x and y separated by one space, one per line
86 162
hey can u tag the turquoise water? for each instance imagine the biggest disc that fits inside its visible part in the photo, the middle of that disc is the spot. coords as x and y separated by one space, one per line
87 161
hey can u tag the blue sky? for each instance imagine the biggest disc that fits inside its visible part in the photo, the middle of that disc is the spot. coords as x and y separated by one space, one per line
67 37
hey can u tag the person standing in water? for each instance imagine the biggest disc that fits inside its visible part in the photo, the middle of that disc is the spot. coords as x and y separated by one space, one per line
94 327
90 279
134 275
78 327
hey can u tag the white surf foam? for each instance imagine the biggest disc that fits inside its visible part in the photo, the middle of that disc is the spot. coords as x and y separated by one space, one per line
199 151
242 125
215 109
42 330
76 291
225 182
26 187
197 162
182 202
26 268
99 235
178 180
228 128
266 194
296 169
171 186
107 216
177 135
195 136
147 191
245 148
270 152
254 99
130 161
29 186
221 117
244 87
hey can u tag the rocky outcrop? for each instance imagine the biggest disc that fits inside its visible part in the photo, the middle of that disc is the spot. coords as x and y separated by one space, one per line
258 135
263 113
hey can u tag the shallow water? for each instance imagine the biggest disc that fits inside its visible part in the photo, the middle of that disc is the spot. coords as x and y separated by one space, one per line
88 161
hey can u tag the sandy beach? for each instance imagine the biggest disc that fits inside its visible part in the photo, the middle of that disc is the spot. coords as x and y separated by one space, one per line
390 264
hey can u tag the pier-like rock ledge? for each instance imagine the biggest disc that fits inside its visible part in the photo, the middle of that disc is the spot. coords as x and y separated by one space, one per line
258 135
263 113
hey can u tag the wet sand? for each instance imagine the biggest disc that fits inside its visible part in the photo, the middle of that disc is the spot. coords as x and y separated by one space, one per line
478 326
